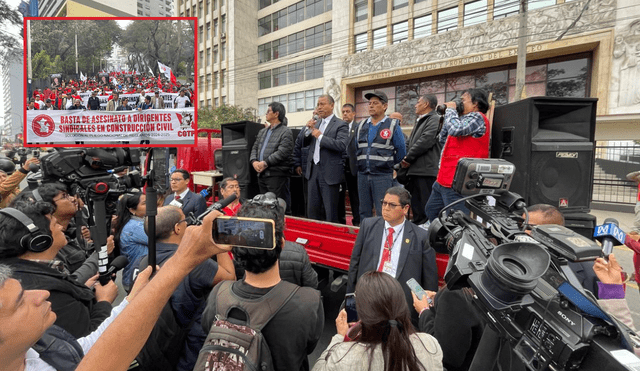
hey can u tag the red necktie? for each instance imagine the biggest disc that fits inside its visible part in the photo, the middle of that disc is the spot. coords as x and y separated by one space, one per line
177 197
386 252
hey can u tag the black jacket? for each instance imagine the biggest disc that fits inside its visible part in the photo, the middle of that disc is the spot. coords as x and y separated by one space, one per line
73 303
278 154
295 266
423 150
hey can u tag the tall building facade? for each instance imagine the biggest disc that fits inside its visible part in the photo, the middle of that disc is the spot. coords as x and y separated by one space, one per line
87 8
155 8
12 99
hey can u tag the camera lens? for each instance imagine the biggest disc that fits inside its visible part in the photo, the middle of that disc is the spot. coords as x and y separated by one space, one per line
512 271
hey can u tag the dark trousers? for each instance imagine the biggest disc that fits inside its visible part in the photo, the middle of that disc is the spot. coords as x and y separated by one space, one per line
322 194
420 189
351 184
278 185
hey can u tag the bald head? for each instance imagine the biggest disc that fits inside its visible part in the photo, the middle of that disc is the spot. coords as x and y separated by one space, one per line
396 115
545 214
166 220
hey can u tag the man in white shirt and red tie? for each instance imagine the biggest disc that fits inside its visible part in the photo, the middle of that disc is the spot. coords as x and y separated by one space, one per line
394 245
182 196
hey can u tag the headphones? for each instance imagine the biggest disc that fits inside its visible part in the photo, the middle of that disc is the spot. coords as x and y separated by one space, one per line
35 241
36 195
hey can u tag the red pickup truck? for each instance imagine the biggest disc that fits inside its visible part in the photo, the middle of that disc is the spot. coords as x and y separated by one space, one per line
329 245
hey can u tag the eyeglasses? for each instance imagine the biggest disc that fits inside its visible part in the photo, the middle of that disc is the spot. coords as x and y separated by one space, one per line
63 196
390 204
186 220
176 179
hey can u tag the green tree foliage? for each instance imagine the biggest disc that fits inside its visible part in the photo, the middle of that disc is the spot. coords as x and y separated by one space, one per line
11 35
212 118
170 42
57 40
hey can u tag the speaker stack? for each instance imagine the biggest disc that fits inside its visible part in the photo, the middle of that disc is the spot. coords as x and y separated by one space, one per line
237 140
551 141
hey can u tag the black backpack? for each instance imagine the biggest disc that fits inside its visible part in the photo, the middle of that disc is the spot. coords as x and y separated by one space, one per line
239 345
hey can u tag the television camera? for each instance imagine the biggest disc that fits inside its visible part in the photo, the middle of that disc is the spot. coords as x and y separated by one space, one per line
523 286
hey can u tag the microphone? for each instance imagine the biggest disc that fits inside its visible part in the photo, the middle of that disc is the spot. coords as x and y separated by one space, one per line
178 203
117 264
206 192
307 130
217 206
609 235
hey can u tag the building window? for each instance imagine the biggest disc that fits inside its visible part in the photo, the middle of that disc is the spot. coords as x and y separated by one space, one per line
379 7
279 48
223 82
264 79
200 33
422 26
208 60
264 4
397 4
505 8
296 13
264 53
215 28
327 33
262 106
314 8
568 78
215 54
537 4
280 19
361 42
447 19
475 12
361 10
223 53
400 32
296 73
201 83
279 76
216 79
216 102
264 25
201 59
313 68
223 24
208 31
296 43
313 37
208 102
209 79
380 38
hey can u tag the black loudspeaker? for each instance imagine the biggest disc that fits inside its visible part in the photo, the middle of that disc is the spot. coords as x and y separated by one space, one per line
237 140
551 142
582 223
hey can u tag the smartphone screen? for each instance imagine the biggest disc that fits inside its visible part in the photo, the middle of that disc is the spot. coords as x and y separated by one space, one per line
350 307
415 287
244 232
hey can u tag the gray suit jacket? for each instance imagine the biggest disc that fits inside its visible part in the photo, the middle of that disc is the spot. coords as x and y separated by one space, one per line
332 147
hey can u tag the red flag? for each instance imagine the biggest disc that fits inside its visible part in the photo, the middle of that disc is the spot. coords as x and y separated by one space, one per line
159 83
173 78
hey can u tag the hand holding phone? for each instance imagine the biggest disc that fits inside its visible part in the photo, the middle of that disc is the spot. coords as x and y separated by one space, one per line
251 233
415 287
350 308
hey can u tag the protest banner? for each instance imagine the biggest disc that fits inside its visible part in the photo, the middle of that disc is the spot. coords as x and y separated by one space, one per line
170 127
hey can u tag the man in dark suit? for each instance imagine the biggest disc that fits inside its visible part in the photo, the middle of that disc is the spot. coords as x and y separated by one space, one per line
423 155
325 165
394 245
182 196
350 169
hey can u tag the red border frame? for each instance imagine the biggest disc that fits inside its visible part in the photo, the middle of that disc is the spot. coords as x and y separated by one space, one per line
195 80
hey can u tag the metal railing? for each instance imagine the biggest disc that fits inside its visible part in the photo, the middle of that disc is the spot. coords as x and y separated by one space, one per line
613 161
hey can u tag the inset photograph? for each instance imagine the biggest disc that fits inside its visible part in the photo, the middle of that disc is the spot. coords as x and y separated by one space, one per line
126 82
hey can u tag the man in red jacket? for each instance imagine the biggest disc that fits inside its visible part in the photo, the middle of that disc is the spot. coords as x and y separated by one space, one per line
461 136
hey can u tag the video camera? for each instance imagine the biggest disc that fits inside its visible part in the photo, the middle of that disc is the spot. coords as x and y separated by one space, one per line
523 285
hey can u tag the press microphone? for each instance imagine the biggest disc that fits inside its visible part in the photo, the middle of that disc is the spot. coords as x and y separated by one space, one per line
179 203
307 130
217 206
609 235
117 264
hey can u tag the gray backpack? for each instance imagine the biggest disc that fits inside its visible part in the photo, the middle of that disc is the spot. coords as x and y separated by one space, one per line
235 345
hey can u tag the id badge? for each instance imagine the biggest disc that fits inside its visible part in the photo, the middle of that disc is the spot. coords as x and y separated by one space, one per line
388 268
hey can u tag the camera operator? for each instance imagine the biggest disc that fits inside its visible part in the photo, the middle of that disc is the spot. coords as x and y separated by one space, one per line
10 180
32 257
461 136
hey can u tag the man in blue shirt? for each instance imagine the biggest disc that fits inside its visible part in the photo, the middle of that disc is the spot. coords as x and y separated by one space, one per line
379 146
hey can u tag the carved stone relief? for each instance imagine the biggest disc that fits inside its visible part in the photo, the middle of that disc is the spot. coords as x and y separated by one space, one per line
543 24
626 70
